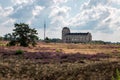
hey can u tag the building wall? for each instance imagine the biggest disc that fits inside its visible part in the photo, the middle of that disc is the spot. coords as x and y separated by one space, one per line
75 38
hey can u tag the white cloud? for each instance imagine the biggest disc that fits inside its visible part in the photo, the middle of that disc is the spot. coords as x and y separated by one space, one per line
7 26
114 1
114 37
36 11
59 11
4 12
7 22
18 2
59 1
4 30
59 15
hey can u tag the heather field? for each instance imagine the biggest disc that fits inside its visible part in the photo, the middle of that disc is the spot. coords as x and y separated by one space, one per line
59 61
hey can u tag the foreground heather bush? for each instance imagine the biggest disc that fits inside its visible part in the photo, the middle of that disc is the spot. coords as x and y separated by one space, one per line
56 66
33 70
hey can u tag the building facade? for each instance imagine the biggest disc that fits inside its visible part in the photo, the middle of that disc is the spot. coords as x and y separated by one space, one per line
69 37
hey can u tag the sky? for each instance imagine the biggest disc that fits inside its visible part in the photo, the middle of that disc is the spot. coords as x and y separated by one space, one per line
99 17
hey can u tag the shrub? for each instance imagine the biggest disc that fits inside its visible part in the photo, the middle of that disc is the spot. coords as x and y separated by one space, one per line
47 40
2 44
117 75
18 52
58 50
11 43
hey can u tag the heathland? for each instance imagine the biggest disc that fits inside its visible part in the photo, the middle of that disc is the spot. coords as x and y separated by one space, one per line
59 61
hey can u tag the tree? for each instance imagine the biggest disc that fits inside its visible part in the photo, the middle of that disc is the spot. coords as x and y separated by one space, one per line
8 37
1 38
47 40
24 35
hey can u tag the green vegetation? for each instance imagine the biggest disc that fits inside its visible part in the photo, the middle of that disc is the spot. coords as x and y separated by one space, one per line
103 42
58 50
47 40
18 52
23 35
2 44
117 75
8 37
1 38
54 40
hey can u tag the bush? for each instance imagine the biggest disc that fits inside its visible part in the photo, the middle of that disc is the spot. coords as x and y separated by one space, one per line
47 40
58 50
18 52
11 43
117 75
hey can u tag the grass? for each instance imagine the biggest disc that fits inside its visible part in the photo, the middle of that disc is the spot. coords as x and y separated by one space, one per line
71 48
82 48
2 44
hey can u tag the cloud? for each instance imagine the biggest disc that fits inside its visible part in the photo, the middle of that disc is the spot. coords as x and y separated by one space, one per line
19 2
117 2
4 30
59 11
6 23
4 12
36 11
59 15
99 13
100 17
114 37
59 1
7 26
26 13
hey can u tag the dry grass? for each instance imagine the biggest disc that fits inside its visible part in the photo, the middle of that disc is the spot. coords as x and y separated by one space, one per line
80 48
69 48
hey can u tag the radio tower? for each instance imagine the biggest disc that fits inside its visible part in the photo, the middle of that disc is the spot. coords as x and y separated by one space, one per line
44 29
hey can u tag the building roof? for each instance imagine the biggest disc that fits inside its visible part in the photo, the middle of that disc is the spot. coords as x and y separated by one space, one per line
65 28
77 34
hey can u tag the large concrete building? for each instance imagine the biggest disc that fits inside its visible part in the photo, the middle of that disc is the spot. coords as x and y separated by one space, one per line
68 37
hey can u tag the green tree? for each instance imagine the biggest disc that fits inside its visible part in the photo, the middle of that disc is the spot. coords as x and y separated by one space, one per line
47 40
24 35
8 37
1 38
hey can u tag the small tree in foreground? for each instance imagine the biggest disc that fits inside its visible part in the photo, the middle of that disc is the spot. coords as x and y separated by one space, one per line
23 35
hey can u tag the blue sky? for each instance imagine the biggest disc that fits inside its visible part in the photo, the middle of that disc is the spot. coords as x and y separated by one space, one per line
100 17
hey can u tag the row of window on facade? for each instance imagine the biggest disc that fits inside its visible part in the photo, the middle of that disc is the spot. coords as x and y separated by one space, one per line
78 39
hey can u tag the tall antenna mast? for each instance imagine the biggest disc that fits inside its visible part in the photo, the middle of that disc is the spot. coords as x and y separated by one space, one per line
44 29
